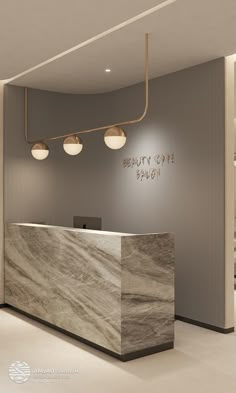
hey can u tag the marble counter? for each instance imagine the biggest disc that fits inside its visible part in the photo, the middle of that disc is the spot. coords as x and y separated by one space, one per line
112 290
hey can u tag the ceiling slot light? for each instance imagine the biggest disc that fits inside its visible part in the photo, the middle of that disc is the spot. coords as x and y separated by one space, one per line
115 138
72 145
40 151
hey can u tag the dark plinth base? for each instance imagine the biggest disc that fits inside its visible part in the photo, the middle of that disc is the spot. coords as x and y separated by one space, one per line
146 352
124 358
205 325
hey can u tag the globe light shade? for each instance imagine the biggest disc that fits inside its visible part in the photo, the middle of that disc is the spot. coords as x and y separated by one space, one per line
40 151
72 145
115 138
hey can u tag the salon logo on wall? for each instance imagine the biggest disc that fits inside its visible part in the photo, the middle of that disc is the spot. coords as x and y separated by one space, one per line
148 167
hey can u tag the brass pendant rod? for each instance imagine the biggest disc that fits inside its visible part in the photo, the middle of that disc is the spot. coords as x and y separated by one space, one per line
103 127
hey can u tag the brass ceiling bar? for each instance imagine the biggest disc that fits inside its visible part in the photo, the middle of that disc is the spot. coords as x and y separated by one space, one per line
103 127
26 114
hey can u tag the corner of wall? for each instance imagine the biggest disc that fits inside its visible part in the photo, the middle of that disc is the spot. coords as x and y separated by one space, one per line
229 191
2 83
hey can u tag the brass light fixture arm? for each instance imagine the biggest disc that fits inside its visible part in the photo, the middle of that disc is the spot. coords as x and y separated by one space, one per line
103 127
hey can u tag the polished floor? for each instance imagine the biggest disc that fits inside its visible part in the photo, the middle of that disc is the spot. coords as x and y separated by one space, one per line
202 362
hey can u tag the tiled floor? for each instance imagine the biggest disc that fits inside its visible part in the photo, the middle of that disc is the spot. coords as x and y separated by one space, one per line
202 362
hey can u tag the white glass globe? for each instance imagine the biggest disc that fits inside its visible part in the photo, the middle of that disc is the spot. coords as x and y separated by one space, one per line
115 138
72 145
40 151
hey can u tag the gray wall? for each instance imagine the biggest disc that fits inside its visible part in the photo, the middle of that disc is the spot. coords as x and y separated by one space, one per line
1 196
186 117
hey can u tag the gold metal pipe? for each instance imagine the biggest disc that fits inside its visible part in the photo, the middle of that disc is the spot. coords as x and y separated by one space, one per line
139 119
26 114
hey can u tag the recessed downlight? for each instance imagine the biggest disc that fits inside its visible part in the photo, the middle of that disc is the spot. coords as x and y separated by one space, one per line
107 70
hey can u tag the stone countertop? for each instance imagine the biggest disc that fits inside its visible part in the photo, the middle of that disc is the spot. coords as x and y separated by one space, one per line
80 230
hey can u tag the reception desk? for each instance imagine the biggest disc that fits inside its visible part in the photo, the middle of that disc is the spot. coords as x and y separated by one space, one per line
114 291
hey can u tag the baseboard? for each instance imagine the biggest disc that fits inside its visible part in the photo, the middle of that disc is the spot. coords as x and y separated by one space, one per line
3 305
146 352
205 325
124 358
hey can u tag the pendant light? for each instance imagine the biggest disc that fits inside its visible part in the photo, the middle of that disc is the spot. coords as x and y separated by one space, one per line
115 138
72 145
40 151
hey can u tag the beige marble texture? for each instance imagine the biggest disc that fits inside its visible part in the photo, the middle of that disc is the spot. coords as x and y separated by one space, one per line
113 289
147 291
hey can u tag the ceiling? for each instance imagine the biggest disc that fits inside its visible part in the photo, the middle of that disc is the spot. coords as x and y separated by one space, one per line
31 31
183 34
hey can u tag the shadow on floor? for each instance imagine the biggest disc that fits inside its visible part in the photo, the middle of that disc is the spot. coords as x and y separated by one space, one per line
146 368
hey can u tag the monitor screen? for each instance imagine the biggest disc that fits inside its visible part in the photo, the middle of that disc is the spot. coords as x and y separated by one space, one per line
87 222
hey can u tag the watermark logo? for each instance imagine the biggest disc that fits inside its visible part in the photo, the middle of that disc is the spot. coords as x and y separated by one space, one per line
19 372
